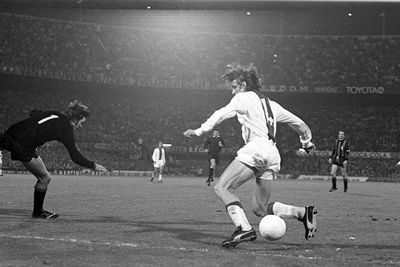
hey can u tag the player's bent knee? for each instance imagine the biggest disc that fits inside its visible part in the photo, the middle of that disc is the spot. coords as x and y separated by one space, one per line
219 190
42 183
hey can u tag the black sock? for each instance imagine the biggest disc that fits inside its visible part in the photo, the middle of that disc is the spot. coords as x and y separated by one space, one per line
333 182
345 184
38 199
210 173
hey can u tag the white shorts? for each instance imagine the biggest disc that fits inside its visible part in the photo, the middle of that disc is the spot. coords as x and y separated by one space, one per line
263 155
158 164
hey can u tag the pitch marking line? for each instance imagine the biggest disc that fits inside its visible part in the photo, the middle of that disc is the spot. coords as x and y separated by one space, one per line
138 246
144 246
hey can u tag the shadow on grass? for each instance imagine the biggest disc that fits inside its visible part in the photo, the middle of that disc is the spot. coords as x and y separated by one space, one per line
187 230
16 212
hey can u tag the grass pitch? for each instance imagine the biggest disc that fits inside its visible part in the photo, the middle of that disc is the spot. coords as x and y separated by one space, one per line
129 221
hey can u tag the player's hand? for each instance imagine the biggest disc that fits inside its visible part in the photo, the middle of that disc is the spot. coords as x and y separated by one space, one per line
100 168
330 161
307 147
189 133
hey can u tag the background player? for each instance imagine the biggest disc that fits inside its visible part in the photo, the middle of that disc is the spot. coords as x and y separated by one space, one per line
158 161
22 139
213 146
259 157
338 159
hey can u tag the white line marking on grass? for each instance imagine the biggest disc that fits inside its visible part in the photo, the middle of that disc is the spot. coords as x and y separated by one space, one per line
144 246
104 243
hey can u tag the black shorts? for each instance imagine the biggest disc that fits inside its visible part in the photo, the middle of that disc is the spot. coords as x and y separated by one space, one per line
213 156
340 164
18 151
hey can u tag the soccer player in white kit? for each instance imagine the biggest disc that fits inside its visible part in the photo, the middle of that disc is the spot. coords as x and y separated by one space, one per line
259 157
158 161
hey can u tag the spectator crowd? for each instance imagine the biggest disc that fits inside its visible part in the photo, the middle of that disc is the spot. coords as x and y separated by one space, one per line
125 114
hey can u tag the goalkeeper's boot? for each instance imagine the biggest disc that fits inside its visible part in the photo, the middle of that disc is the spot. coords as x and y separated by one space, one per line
44 214
240 236
310 221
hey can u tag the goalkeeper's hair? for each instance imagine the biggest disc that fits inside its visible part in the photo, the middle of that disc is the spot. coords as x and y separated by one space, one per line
76 111
243 73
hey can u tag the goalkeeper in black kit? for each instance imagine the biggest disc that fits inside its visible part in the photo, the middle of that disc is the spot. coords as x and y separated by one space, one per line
23 138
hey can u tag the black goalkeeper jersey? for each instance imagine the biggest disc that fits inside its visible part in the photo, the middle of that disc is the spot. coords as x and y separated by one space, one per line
48 126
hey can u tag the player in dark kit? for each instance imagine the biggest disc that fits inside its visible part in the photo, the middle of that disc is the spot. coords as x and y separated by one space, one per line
213 146
338 159
22 139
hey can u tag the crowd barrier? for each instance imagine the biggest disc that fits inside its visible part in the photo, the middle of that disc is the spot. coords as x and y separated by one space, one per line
327 177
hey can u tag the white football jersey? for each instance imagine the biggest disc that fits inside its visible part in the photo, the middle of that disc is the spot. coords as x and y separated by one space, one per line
252 113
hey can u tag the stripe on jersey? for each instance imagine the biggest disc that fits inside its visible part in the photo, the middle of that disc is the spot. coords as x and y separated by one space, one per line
269 118
48 118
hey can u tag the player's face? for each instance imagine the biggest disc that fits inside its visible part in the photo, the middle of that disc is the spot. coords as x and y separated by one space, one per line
236 87
341 135
78 124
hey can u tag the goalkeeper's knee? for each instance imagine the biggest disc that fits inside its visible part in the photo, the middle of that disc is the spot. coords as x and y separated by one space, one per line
42 183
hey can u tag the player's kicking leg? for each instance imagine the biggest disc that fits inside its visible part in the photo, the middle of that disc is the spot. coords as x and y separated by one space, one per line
307 215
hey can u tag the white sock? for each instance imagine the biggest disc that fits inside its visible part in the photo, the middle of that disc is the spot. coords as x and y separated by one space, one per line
238 217
160 177
281 209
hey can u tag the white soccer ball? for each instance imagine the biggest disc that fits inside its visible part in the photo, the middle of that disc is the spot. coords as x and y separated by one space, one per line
272 227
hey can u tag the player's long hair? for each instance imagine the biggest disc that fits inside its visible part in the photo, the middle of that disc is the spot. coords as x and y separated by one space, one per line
243 73
76 111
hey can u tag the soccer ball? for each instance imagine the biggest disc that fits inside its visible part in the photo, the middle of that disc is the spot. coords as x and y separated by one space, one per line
272 227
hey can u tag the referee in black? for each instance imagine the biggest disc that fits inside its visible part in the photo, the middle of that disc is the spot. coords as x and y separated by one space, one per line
22 139
213 146
338 159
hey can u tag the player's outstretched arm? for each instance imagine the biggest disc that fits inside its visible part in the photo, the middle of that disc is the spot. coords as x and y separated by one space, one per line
189 133
100 168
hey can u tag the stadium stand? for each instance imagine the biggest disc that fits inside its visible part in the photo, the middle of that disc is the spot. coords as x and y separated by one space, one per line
152 84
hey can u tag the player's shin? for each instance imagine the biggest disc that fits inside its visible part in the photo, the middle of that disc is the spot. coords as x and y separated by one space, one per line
38 199
280 209
238 216
333 182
